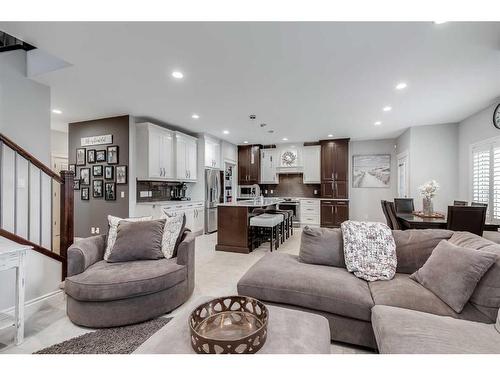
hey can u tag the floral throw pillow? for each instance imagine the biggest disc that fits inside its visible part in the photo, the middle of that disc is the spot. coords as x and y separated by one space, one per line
113 228
369 250
174 227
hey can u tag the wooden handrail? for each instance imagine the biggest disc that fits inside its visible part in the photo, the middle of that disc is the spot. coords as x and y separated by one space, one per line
25 154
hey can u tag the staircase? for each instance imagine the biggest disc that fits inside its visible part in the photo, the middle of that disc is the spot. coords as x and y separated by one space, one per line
27 191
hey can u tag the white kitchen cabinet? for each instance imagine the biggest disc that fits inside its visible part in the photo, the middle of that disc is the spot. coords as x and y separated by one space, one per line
199 219
155 156
194 211
311 157
212 153
229 152
310 213
268 164
186 157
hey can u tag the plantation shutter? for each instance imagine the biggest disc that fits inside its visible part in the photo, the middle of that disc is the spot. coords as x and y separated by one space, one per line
496 183
481 175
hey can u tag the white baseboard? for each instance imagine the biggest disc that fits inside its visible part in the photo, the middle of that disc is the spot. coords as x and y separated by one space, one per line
34 305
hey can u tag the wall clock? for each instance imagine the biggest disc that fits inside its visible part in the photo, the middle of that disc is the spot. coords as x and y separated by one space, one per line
496 117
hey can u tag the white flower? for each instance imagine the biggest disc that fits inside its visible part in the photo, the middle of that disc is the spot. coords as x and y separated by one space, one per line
429 189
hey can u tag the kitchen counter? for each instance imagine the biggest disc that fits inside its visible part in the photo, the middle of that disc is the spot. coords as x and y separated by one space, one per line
252 203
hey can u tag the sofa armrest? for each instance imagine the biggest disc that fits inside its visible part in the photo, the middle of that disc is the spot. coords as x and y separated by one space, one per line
84 253
185 256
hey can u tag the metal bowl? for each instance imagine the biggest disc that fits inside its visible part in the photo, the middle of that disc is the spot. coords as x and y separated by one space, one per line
229 325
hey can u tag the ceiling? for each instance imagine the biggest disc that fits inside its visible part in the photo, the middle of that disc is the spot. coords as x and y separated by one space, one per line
304 80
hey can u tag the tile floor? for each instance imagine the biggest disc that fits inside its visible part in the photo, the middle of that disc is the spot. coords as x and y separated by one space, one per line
216 274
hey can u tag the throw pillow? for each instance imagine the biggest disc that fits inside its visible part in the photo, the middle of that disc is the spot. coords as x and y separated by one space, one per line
497 325
369 250
172 234
113 226
322 246
140 240
452 273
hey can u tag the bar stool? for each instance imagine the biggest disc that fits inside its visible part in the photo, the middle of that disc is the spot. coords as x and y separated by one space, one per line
270 223
286 226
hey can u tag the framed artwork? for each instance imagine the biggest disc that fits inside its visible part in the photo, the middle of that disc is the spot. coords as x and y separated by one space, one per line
76 184
80 156
90 156
84 194
97 188
97 171
110 191
109 172
100 156
112 154
85 176
72 168
371 171
121 174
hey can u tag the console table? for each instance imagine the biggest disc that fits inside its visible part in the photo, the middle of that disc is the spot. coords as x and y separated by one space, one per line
13 255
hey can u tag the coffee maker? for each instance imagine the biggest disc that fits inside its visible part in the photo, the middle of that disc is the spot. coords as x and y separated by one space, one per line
178 192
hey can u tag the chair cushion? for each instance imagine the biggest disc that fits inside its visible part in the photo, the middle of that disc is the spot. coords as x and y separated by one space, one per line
281 278
403 292
105 281
430 334
452 272
266 220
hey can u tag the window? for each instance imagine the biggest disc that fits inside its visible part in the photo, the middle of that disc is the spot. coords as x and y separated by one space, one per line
486 177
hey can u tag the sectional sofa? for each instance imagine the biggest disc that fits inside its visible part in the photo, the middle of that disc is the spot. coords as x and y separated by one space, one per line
396 316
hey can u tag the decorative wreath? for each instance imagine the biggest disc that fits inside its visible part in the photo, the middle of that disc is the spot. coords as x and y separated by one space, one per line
288 158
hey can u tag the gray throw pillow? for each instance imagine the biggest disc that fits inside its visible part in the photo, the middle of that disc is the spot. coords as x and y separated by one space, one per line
322 246
497 325
139 240
452 273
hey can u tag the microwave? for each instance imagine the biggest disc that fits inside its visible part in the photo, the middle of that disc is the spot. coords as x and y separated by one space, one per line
248 191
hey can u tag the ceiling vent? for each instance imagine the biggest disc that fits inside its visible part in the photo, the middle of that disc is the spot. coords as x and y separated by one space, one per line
10 43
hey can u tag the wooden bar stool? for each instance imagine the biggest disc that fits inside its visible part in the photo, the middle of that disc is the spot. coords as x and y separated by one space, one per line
270 224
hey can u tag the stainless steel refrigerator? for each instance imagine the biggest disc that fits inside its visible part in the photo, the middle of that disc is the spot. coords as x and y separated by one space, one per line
212 197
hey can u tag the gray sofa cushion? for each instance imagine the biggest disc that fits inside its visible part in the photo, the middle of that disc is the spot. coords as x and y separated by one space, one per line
497 324
281 278
140 240
105 281
322 246
452 273
403 292
414 246
401 331
486 296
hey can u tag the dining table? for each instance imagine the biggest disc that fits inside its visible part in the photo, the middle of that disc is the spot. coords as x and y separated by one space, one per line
412 221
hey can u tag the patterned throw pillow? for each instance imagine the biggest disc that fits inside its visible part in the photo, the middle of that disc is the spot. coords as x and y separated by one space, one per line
369 250
174 226
112 230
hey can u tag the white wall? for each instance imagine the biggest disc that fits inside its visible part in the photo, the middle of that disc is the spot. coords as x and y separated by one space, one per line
59 143
364 203
476 128
25 118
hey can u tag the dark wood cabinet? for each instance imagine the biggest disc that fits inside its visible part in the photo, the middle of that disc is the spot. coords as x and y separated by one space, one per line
334 168
334 213
248 164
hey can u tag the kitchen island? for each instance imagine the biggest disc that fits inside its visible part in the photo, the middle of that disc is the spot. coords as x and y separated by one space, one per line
233 223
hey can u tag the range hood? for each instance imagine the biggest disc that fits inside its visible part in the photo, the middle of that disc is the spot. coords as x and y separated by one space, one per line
288 170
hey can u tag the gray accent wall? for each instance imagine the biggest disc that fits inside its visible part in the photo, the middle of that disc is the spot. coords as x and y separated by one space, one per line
94 212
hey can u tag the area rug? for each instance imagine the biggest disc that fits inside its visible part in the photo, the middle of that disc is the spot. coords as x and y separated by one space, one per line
120 340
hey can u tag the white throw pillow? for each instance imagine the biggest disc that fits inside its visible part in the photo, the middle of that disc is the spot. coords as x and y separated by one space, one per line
174 224
112 230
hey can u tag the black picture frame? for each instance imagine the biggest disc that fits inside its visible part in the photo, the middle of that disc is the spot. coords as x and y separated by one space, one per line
91 156
97 171
100 156
72 168
121 175
113 154
97 187
80 156
85 176
110 191
109 172
76 184
84 194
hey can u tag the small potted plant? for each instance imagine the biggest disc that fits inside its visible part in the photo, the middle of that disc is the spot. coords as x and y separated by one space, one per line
428 191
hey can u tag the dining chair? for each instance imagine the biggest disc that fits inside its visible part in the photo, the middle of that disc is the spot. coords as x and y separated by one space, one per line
391 213
460 203
404 205
386 215
467 219
478 204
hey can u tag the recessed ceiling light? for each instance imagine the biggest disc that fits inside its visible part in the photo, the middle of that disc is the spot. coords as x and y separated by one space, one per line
225 131
195 116
177 74
439 22
377 123
285 139
245 142
401 86
330 135
387 108
57 111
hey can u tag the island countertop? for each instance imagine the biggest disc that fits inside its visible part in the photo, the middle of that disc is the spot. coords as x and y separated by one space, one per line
253 202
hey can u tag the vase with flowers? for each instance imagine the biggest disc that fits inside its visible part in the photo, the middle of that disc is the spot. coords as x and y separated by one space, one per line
428 191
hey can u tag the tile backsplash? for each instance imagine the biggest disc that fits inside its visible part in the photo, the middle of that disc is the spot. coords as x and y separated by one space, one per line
291 185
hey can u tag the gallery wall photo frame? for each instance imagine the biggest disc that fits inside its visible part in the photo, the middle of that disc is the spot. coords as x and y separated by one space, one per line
97 171
121 175
113 154
84 194
100 156
91 156
81 156
110 191
72 168
76 184
109 172
97 188
85 176
371 171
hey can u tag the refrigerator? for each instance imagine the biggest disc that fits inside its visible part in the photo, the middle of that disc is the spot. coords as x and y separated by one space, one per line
212 198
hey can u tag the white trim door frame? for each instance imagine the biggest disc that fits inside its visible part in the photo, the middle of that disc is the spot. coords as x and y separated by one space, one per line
403 174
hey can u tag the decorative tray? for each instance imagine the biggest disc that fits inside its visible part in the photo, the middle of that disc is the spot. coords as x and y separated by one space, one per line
434 215
229 325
